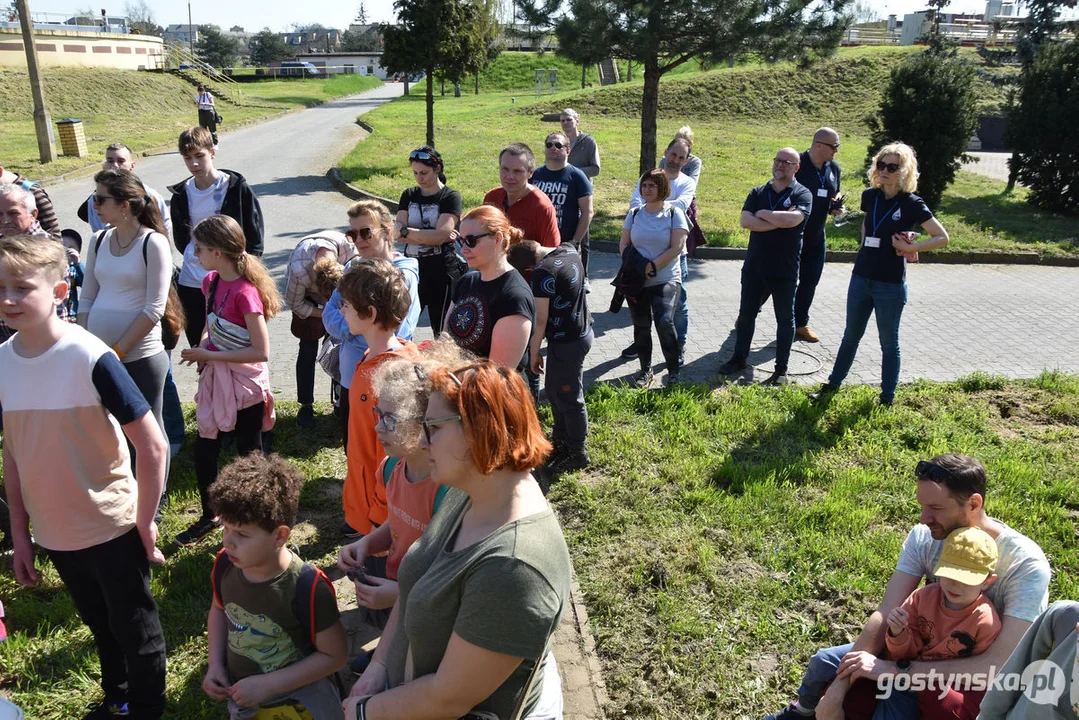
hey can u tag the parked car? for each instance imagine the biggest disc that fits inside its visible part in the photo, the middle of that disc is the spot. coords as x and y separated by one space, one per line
298 69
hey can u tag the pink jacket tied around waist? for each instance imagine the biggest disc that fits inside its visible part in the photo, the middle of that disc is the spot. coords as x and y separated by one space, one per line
226 388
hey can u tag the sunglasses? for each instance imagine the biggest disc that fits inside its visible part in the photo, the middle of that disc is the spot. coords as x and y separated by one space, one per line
555 145
423 156
100 199
364 233
471 240
890 167
834 147
781 161
388 420
428 424
926 469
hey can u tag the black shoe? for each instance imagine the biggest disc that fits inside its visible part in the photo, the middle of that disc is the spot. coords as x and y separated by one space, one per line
886 403
735 364
571 461
822 392
791 712
643 379
778 378
306 417
350 532
630 352
673 378
107 710
198 530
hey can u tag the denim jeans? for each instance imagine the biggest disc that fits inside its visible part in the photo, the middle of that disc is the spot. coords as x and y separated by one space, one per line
658 303
821 671
564 382
681 316
809 272
755 291
886 301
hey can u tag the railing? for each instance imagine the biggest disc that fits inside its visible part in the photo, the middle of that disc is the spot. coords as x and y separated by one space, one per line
178 57
319 72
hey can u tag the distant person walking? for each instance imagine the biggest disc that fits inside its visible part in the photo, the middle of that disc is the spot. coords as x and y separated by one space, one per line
583 155
207 111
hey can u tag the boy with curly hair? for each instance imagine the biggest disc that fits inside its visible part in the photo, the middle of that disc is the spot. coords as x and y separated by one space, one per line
275 635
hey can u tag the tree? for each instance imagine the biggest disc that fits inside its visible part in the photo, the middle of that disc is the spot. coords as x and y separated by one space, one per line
361 16
486 30
141 18
433 35
930 104
215 47
369 40
1040 127
583 49
662 36
267 47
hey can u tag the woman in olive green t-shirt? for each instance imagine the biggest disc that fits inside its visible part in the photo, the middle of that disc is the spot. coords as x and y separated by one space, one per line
482 591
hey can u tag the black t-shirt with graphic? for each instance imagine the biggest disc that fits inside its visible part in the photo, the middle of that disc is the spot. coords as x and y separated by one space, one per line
423 211
559 277
826 178
479 305
776 253
884 218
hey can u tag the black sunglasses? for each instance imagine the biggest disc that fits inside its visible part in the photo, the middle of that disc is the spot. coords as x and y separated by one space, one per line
471 240
424 156
556 145
890 167
365 233
100 199
834 147
926 469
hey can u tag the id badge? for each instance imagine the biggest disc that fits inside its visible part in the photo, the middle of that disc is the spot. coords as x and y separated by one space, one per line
873 242
822 192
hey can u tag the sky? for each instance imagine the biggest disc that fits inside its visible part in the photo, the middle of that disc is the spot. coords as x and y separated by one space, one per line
279 15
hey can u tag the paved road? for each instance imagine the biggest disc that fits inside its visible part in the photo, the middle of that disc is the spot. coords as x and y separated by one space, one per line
990 164
1014 320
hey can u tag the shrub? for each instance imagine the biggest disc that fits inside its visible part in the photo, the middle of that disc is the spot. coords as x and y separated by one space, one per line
930 104
1041 127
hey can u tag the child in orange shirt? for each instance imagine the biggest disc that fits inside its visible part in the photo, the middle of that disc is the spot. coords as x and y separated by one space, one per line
374 301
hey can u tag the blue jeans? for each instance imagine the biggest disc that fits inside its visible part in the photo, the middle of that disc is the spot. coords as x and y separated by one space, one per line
755 291
809 272
681 315
821 671
886 301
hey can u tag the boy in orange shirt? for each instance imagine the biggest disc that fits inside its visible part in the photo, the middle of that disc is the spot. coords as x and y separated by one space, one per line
374 301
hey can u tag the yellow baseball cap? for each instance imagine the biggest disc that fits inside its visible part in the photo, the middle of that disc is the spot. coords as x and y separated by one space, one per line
969 556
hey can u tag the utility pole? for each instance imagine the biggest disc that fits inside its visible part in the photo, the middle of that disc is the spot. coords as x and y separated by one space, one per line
42 123
190 30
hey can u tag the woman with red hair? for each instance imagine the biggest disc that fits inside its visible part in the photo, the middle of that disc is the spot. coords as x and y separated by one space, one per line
482 591
492 312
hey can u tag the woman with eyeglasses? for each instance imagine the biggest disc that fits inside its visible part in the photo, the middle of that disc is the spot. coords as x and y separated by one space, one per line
426 216
657 230
493 312
371 229
125 288
482 590
878 284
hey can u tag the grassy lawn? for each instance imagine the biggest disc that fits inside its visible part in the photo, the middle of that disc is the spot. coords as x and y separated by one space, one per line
726 110
720 538
141 109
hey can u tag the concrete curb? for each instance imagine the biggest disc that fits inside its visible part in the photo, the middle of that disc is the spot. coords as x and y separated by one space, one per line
729 253
588 650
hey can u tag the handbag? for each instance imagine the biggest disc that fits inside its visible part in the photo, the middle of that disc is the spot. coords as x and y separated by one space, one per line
217 118
329 357
308 328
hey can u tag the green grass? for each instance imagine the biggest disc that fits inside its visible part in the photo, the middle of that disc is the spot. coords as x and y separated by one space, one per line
141 109
516 71
721 536
734 142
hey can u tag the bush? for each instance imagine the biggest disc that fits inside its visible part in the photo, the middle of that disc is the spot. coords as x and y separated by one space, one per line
1041 127
929 104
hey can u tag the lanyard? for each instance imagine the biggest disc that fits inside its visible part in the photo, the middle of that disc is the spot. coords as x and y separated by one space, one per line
823 177
779 199
876 225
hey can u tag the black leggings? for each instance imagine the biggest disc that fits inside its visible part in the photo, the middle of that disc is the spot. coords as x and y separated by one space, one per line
248 435
149 375
434 290
194 303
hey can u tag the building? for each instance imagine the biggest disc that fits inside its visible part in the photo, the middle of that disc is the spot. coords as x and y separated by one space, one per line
326 41
347 63
185 34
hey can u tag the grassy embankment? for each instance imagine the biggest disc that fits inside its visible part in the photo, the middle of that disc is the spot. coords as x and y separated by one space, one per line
720 537
141 109
741 116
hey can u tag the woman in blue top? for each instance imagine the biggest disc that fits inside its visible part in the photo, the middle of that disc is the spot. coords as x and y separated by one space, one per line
878 284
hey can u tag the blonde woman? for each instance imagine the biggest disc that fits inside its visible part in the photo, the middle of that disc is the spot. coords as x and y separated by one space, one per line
878 285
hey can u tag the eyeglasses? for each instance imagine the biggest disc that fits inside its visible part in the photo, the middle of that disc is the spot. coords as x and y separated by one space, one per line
890 167
834 147
781 161
364 233
428 424
471 240
100 199
555 145
926 469
388 419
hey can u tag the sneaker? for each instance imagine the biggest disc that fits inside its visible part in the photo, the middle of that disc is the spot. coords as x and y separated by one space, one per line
350 532
643 379
806 333
587 286
630 352
106 710
198 530
673 378
733 365
792 712
306 417
823 391
571 461
778 378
